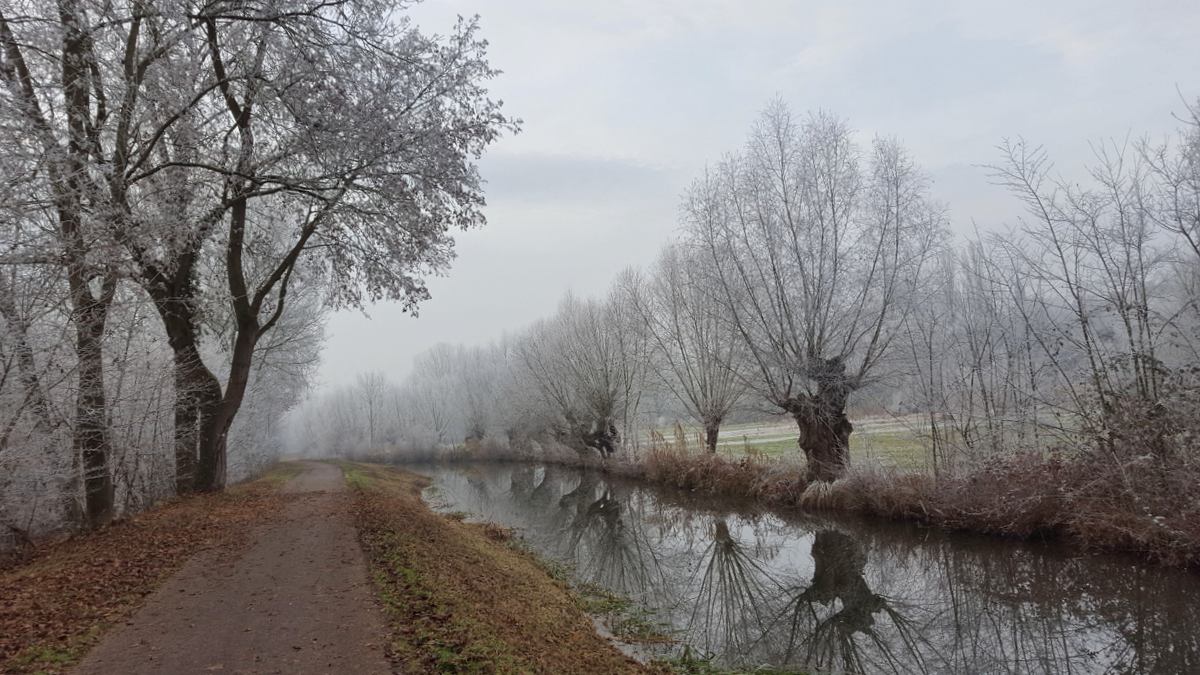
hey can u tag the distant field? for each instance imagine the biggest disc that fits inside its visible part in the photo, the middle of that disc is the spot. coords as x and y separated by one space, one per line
890 441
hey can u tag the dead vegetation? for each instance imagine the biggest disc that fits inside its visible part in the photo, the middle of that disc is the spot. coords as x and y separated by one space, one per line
1141 505
61 598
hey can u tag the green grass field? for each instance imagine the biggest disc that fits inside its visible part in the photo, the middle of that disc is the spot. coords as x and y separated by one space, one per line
888 442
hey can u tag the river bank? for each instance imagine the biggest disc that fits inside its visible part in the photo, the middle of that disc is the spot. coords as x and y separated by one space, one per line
1144 507
457 598
746 587
317 565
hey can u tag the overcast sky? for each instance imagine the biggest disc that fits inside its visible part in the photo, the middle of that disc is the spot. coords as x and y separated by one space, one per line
625 101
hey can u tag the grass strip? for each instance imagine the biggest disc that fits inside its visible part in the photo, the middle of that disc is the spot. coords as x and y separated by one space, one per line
459 598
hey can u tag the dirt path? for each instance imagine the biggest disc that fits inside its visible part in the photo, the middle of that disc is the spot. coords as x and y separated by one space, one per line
297 601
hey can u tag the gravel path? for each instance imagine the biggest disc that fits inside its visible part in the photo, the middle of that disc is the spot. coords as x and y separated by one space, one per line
296 601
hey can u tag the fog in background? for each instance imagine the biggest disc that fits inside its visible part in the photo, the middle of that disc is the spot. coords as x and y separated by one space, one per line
625 102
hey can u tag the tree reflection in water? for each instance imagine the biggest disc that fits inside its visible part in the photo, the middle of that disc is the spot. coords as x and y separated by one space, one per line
748 588
544 492
521 481
477 481
577 500
728 614
826 618
612 550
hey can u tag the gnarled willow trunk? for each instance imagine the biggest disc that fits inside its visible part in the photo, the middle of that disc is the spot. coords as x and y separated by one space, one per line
600 434
824 428
825 440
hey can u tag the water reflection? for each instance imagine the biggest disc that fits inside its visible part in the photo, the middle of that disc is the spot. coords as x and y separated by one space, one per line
753 588
832 622
732 596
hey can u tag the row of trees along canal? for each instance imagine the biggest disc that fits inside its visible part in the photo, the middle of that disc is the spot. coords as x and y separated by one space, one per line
814 273
186 189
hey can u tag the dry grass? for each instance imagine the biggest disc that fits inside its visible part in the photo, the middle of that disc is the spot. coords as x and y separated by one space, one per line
1133 502
1143 506
60 600
458 598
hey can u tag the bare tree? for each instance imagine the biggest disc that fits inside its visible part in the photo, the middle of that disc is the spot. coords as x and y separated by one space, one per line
819 259
434 393
697 348
476 376
1099 304
1176 207
588 364
370 389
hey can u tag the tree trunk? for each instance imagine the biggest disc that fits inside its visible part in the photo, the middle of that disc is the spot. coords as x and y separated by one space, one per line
187 428
199 440
824 428
712 430
91 441
217 416
601 436
197 394
825 439
197 390
89 312
210 471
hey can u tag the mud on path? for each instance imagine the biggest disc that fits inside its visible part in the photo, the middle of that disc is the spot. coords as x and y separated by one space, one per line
296 601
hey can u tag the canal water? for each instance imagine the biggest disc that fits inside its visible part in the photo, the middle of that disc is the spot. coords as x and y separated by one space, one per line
746 587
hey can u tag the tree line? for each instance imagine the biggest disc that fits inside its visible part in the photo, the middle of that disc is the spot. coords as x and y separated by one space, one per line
187 189
816 274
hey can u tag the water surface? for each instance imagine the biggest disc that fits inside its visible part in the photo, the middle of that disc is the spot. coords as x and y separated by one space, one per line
748 587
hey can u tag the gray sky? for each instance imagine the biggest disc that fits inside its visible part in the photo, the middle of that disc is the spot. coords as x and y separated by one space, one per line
625 101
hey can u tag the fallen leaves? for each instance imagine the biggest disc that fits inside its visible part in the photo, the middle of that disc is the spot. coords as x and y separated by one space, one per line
57 604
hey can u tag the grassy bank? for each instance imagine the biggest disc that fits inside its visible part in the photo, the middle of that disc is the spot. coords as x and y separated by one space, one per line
459 598
59 600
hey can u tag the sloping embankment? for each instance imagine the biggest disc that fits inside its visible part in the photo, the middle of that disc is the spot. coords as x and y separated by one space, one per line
458 598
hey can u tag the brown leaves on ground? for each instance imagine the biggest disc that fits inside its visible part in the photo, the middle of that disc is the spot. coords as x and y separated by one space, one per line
57 604
459 599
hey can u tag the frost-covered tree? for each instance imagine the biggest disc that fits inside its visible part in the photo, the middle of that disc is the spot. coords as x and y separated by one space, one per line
54 113
355 137
264 144
819 254
236 168
697 350
588 364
